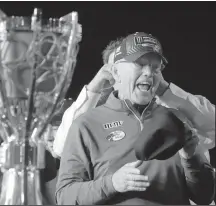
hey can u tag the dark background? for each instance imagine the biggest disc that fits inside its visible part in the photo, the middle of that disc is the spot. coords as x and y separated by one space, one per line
185 29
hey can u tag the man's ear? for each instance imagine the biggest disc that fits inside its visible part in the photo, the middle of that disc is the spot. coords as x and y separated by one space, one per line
115 74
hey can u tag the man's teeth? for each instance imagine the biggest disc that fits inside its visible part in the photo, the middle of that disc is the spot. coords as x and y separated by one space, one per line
144 86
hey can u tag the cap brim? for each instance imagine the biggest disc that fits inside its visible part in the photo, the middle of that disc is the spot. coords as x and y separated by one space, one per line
138 54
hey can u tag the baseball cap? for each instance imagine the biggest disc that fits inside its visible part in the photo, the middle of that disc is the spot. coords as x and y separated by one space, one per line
137 44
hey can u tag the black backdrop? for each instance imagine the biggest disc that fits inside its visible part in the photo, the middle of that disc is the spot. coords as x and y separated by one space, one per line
186 30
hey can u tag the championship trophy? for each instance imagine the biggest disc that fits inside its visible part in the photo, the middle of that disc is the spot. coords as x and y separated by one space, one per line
37 62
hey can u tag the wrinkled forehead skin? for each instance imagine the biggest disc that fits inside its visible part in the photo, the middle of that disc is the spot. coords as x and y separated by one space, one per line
14 54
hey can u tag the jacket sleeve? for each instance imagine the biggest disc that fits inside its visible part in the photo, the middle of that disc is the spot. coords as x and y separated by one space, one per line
75 184
199 111
200 177
85 101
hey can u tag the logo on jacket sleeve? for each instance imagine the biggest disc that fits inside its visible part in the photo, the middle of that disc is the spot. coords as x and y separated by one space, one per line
112 124
115 136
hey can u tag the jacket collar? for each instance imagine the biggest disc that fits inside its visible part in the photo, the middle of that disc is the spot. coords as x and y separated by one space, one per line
116 104
125 105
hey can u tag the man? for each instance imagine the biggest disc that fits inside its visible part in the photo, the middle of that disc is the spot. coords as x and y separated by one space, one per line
98 164
197 109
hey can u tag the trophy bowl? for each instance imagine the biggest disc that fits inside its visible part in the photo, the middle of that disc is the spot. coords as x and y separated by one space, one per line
37 62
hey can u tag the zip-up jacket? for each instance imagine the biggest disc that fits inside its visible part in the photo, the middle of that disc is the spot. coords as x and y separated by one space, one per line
101 141
197 109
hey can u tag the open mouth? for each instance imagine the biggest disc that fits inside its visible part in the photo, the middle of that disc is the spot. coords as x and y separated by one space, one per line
144 86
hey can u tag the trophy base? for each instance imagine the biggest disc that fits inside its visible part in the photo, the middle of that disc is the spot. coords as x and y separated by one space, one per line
12 191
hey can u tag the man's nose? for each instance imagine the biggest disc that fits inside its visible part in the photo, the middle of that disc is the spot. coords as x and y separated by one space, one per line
147 71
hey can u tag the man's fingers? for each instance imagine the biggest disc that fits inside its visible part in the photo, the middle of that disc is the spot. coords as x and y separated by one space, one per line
137 177
109 76
107 67
138 184
134 164
131 188
131 170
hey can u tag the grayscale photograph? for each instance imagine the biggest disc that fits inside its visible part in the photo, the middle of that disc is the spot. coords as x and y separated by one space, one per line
107 103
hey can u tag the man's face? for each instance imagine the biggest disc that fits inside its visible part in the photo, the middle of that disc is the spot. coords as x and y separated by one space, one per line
138 81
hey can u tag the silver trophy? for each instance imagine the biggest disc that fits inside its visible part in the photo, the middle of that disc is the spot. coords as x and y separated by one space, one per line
37 62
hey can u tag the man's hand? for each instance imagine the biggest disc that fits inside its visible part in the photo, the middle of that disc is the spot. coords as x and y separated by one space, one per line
191 144
103 79
128 178
163 85
191 137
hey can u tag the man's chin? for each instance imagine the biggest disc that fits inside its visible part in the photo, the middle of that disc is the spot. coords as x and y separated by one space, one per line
143 100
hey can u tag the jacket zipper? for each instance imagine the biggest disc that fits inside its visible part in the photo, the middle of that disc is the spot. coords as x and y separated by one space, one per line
140 122
141 125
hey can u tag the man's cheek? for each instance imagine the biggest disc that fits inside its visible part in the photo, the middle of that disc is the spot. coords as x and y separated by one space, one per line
126 89
157 78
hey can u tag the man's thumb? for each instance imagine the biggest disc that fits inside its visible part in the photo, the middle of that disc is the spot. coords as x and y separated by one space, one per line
134 164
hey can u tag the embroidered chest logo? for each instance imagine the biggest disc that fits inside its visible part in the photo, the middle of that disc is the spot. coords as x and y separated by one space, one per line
112 124
115 136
